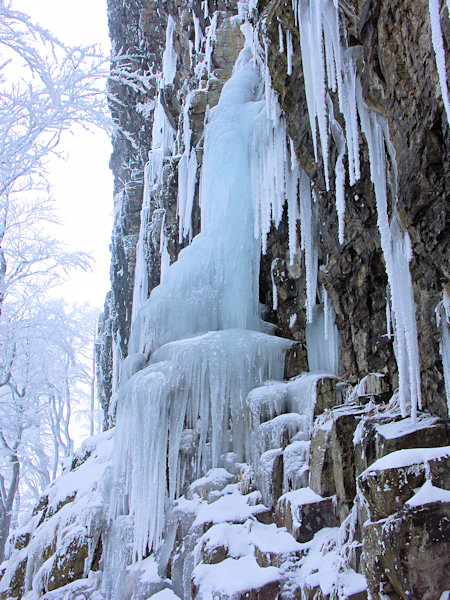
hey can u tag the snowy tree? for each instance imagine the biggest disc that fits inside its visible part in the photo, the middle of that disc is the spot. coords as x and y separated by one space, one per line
44 374
46 90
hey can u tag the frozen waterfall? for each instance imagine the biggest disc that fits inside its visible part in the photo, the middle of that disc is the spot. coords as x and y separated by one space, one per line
196 380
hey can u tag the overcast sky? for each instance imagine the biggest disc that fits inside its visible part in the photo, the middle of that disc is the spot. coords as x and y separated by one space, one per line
82 185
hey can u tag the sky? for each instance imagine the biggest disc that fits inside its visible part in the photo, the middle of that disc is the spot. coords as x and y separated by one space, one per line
82 184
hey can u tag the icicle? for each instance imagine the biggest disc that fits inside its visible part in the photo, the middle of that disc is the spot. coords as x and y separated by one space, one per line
169 59
438 46
274 285
199 383
443 318
348 108
281 38
187 178
338 136
164 253
308 242
210 39
289 50
388 313
292 179
325 312
198 35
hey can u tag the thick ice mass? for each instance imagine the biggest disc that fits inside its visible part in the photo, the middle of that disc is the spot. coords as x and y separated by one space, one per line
198 383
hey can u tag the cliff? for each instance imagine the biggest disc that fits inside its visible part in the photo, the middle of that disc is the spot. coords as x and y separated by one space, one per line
281 176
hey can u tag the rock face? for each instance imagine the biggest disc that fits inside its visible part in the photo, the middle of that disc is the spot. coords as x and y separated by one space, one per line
339 495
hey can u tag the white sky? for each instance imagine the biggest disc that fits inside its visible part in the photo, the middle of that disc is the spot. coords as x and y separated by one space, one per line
82 184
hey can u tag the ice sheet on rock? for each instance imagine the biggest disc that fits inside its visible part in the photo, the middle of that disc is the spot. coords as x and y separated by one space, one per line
265 408
277 432
266 474
232 576
429 493
199 383
215 479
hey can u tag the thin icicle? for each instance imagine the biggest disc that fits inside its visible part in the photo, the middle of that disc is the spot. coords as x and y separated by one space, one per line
163 251
339 139
290 51
281 38
388 314
308 242
274 285
187 178
438 45
198 35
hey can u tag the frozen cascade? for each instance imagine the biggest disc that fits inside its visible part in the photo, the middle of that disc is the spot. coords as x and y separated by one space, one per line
198 383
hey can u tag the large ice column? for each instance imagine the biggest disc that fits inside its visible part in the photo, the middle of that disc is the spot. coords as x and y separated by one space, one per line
197 325
213 284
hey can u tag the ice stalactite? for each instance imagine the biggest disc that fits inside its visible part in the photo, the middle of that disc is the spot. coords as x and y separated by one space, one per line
187 178
309 241
169 56
443 321
438 46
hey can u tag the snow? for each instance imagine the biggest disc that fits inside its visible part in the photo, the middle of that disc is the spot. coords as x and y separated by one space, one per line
408 457
232 507
405 426
232 576
429 493
75 511
147 570
164 595
302 496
